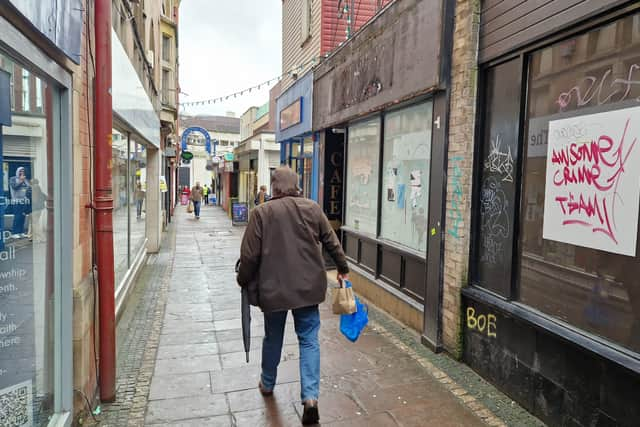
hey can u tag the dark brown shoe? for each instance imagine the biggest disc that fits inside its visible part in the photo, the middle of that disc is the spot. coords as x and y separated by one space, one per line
264 391
310 415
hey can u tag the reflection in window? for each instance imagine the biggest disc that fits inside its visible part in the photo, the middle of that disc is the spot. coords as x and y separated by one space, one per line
405 181
363 159
595 289
496 201
26 97
120 172
137 195
27 288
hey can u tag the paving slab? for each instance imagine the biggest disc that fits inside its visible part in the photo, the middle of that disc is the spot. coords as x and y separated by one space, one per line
200 376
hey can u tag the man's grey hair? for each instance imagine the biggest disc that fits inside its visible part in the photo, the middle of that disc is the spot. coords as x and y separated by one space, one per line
284 182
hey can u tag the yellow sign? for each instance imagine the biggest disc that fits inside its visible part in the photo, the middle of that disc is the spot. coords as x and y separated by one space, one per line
163 185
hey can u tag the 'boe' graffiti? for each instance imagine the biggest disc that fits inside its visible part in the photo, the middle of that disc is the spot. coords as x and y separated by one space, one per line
593 171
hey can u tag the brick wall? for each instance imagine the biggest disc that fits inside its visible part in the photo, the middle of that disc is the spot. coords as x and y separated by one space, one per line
83 291
460 167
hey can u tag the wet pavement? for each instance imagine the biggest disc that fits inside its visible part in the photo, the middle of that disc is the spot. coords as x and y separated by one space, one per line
201 376
182 362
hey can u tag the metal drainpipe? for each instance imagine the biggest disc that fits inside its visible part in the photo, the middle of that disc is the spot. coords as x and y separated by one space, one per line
103 200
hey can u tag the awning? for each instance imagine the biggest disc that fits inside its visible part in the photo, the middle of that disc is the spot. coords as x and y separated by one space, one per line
131 104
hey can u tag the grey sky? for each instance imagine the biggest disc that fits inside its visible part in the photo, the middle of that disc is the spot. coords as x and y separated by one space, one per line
227 46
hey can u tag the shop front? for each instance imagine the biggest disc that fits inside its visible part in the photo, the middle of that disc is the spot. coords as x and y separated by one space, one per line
136 171
379 110
298 144
36 223
552 315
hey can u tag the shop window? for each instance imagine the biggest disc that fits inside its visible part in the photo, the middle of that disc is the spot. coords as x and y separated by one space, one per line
120 171
27 250
579 231
307 167
405 181
137 196
363 158
497 189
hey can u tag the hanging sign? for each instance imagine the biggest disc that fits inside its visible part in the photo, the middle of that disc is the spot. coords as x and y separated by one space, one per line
592 193
228 157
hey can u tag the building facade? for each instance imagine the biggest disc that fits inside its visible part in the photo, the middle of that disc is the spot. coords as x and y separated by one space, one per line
311 29
380 113
169 102
257 155
550 302
216 168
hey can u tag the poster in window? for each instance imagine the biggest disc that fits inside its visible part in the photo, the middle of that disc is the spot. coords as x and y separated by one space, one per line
593 181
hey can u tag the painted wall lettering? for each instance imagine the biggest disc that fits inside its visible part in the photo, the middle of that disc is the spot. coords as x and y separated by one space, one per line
592 182
484 323
456 199
601 89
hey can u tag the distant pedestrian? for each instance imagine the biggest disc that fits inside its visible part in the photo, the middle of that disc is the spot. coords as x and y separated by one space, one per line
139 197
205 194
281 262
196 198
262 196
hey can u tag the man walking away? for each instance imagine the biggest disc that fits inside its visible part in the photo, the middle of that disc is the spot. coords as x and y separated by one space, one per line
281 263
139 196
262 196
196 198
205 194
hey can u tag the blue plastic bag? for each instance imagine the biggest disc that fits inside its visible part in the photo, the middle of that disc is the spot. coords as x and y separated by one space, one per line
351 325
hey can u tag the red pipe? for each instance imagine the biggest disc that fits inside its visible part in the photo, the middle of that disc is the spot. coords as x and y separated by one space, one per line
103 200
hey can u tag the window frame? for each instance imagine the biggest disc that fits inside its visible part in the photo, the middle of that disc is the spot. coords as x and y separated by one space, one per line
25 52
509 304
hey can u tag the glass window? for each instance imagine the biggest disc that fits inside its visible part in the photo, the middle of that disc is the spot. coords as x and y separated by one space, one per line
496 201
166 48
138 188
363 158
39 95
26 95
405 181
580 255
167 87
27 297
120 172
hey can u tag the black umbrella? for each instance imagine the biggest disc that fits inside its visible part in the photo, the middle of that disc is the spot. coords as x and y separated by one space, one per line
246 317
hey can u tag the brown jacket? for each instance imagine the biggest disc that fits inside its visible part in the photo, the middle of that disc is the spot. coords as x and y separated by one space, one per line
196 194
281 256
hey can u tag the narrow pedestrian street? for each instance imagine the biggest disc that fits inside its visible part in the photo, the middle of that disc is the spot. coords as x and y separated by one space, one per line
181 360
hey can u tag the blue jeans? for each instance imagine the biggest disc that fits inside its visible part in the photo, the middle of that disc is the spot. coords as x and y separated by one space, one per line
307 325
196 208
